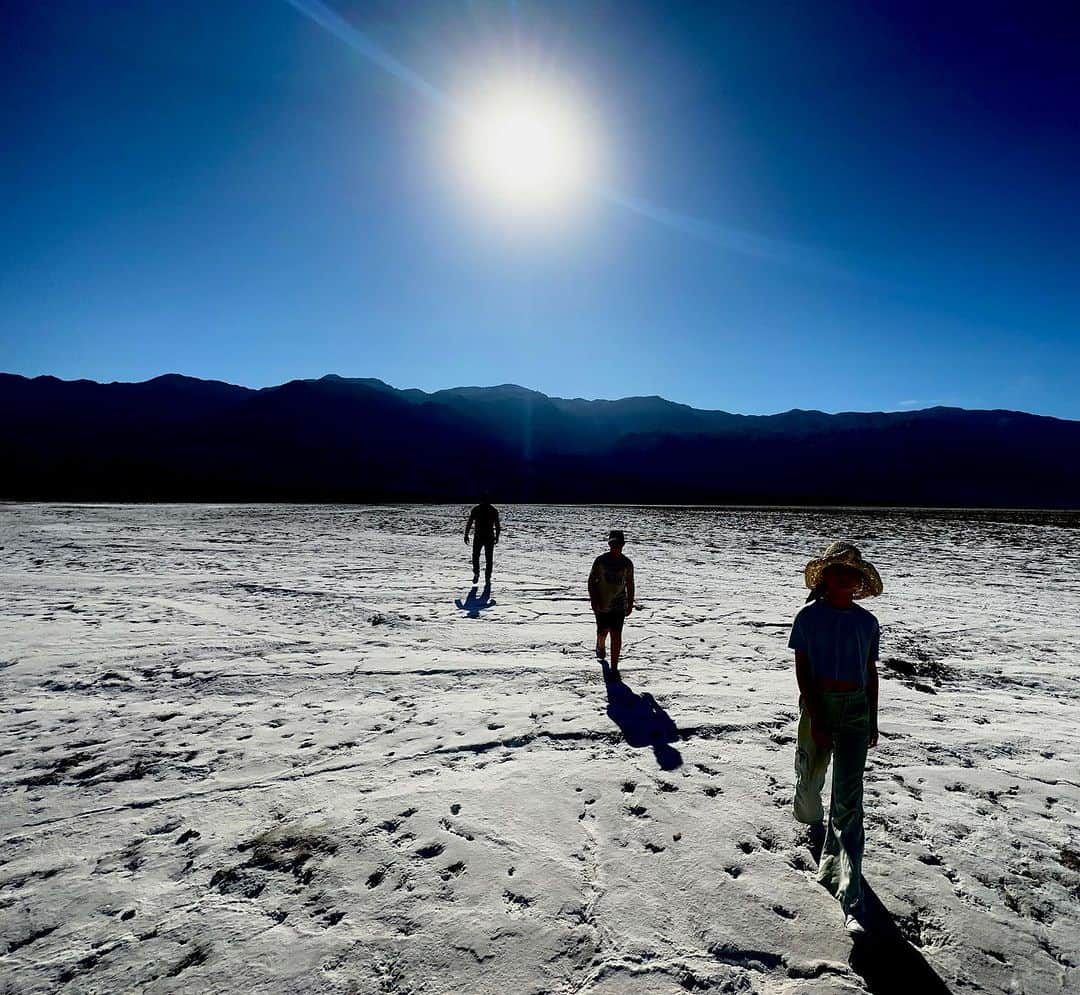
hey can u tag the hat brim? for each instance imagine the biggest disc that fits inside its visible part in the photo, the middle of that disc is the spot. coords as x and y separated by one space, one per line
870 587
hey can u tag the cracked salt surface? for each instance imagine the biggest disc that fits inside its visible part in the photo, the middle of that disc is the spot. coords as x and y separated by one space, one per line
280 749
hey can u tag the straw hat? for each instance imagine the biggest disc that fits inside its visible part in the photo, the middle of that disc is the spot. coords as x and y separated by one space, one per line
845 554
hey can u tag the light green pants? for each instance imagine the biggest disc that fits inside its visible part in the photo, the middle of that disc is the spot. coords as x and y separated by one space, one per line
846 717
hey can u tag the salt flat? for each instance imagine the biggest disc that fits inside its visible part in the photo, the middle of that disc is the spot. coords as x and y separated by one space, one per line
284 749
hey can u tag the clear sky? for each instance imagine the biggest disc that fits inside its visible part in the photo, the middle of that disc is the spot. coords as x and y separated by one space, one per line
845 206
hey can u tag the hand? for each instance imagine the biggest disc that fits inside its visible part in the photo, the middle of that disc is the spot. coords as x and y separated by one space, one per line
629 609
496 541
873 737
466 540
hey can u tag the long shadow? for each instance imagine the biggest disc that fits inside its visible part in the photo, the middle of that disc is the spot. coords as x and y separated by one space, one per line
884 958
643 722
473 605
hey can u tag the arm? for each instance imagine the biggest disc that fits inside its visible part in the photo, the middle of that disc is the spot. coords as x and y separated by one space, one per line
594 579
468 525
872 683
872 699
498 525
630 589
805 678
811 696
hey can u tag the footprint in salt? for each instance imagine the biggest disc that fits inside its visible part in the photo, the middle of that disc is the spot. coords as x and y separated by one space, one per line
767 839
376 878
455 869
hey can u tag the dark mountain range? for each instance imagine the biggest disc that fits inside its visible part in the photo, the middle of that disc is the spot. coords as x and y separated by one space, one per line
178 438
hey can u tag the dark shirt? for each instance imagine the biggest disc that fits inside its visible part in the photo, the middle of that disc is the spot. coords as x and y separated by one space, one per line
839 642
485 519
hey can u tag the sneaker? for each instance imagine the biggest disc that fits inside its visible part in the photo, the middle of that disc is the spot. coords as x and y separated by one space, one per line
853 926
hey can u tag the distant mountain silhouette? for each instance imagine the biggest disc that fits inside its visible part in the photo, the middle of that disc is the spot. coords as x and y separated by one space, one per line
338 439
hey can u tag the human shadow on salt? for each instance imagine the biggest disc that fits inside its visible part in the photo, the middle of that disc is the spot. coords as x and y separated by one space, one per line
887 962
884 958
474 605
643 722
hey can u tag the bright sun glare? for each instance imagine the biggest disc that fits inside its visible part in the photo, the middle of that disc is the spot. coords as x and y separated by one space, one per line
528 150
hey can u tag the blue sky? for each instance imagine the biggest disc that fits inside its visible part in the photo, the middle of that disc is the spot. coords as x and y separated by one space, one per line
837 206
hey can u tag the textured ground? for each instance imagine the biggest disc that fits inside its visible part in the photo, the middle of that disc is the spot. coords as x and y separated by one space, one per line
285 749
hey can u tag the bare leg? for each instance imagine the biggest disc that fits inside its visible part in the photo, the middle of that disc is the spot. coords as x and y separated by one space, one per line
616 646
601 639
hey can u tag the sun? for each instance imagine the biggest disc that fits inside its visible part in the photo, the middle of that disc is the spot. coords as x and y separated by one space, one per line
527 149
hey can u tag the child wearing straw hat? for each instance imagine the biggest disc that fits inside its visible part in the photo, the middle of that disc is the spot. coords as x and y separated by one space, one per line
836 650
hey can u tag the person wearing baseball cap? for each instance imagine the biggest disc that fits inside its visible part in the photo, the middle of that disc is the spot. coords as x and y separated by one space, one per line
611 593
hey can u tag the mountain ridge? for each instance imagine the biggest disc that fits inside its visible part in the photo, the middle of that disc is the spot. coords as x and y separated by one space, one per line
375 381
361 439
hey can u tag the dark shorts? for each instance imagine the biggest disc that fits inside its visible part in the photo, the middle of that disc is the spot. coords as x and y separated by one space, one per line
612 620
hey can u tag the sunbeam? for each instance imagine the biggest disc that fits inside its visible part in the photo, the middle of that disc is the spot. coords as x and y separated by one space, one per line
532 152
333 22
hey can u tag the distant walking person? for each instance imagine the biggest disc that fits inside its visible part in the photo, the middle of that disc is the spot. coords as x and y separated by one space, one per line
611 592
486 519
836 650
